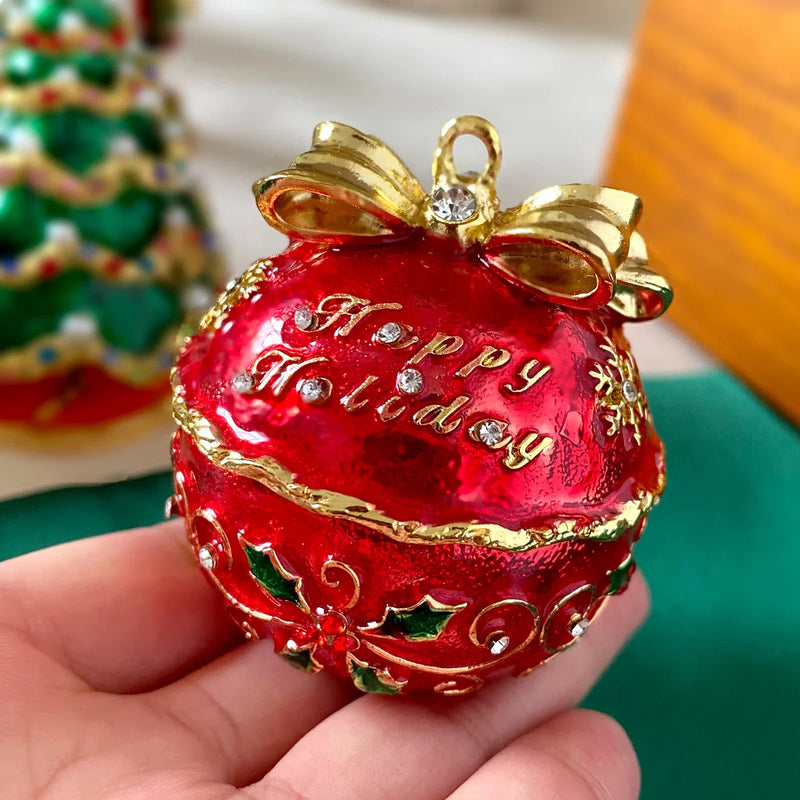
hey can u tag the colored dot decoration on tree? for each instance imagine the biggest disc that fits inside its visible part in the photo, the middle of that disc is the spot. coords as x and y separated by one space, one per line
87 174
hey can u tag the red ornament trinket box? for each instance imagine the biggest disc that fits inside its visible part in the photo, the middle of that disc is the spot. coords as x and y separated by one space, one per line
414 448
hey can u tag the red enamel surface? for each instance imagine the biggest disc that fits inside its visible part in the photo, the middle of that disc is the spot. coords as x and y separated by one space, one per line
413 472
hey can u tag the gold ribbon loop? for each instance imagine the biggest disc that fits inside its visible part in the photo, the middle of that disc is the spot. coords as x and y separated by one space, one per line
349 185
574 245
372 154
566 242
640 293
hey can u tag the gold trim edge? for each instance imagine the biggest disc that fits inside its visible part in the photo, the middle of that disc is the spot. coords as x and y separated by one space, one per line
277 478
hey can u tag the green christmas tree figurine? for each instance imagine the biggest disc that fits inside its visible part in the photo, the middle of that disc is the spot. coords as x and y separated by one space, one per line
104 246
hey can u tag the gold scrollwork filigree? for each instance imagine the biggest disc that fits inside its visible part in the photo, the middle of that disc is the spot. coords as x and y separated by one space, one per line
461 685
194 539
486 640
334 583
461 671
222 541
587 589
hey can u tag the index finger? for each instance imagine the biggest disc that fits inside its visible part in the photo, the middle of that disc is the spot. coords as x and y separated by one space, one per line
124 612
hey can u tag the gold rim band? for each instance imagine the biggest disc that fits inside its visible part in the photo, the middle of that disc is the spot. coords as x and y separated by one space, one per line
277 478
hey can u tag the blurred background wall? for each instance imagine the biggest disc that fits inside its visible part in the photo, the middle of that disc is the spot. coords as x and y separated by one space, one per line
258 76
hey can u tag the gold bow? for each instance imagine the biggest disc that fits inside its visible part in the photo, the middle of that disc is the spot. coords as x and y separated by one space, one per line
575 245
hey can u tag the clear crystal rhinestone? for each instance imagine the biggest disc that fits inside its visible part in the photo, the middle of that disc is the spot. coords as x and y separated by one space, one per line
490 432
579 627
409 381
304 318
630 392
314 390
197 297
453 204
123 146
207 557
389 333
59 230
499 645
243 382
79 326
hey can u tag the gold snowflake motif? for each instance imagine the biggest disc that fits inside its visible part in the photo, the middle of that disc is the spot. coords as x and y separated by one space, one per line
236 291
619 391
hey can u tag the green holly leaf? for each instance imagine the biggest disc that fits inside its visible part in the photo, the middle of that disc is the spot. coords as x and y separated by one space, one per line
620 577
276 581
422 622
372 680
301 660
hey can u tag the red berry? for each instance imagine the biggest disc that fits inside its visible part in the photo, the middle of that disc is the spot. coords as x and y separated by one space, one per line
343 644
332 624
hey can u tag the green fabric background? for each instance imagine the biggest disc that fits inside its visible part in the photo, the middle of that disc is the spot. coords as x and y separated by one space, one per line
710 689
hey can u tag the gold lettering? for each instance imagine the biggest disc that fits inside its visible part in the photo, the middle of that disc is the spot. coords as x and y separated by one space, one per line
351 402
389 411
358 316
281 371
442 344
528 377
440 417
348 309
520 454
489 358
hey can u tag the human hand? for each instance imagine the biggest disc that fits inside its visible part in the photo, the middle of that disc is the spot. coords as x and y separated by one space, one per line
123 679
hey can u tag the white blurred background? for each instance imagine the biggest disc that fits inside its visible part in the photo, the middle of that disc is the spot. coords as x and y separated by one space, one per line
258 75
